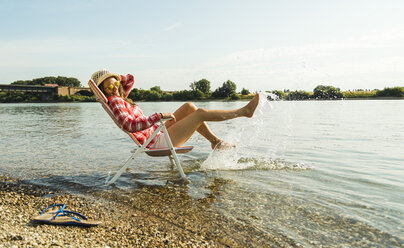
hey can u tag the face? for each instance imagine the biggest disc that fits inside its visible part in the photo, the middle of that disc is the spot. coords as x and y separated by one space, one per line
111 87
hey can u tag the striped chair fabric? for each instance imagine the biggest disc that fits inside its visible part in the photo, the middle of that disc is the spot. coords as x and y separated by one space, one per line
154 152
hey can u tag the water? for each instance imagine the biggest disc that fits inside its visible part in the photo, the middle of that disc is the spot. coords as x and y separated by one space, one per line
319 172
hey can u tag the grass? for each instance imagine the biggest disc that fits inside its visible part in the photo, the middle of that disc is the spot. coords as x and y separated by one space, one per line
359 94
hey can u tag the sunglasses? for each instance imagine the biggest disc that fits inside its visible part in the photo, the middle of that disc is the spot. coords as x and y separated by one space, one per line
111 87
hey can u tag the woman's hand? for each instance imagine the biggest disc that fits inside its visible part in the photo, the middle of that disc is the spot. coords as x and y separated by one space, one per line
167 116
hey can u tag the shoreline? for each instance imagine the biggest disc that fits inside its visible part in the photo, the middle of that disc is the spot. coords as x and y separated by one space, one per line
239 100
151 216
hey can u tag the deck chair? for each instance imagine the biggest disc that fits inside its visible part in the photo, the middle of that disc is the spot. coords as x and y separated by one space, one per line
171 151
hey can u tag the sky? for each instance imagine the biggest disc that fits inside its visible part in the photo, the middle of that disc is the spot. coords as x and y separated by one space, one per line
259 45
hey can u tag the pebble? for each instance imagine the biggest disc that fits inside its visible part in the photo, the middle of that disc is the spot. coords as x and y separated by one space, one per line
150 217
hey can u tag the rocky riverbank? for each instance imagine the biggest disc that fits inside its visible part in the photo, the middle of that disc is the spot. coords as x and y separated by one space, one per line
158 216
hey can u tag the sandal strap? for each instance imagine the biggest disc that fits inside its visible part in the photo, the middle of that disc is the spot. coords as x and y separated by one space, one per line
55 205
75 213
62 212
70 214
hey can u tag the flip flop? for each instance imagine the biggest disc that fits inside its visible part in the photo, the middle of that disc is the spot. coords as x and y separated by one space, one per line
52 213
64 217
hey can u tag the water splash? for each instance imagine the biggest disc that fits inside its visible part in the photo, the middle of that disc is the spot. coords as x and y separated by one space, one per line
249 154
108 177
270 96
229 160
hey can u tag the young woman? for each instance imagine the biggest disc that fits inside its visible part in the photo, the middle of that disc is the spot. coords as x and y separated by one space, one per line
185 120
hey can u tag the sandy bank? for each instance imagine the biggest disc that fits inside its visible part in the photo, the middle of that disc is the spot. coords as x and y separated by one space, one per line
148 217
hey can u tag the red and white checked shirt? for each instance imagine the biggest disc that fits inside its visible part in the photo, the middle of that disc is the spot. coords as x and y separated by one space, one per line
131 117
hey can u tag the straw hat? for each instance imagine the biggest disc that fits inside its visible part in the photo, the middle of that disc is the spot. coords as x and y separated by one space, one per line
99 76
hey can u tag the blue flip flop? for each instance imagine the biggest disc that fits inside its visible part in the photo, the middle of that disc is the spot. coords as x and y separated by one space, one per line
63 216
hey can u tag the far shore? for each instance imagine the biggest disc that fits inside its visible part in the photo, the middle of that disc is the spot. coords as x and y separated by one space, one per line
227 100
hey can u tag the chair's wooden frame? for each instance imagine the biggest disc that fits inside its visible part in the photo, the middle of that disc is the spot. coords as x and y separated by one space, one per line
171 152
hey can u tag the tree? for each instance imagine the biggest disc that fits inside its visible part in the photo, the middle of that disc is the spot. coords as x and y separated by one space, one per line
167 97
298 95
197 95
182 95
61 81
245 92
134 94
391 92
227 89
202 85
152 95
156 89
327 92
234 96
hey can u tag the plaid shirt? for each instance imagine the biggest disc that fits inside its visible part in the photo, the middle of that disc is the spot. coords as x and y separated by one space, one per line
131 117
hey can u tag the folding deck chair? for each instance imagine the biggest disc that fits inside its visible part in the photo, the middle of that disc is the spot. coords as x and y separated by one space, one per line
171 151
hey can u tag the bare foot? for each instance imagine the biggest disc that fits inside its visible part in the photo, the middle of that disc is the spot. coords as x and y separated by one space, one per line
221 145
251 106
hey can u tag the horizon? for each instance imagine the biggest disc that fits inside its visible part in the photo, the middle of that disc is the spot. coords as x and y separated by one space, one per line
260 45
238 90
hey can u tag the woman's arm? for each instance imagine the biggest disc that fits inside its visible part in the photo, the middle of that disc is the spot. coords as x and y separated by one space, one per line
127 83
131 122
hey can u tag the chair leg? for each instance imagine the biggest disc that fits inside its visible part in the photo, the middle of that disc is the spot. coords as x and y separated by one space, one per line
124 167
172 161
174 154
141 149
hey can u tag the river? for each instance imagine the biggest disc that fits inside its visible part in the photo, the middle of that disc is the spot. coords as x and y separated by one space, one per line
319 172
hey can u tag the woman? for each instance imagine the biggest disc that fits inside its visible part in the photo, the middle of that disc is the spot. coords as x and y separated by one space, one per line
185 120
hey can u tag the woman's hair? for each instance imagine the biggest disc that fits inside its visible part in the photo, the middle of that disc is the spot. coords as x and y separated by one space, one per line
121 92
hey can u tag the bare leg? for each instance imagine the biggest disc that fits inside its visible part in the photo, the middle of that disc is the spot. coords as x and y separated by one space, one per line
203 129
182 129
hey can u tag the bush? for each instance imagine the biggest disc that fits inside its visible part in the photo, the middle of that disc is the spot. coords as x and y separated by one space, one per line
391 92
298 95
245 92
14 97
235 96
197 95
327 92
359 94
167 97
32 99
75 98
182 95
137 95
153 95
227 89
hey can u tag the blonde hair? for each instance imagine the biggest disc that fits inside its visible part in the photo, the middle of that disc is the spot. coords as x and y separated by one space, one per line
121 92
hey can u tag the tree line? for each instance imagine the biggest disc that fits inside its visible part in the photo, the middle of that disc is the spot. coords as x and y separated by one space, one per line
61 81
327 92
198 90
320 92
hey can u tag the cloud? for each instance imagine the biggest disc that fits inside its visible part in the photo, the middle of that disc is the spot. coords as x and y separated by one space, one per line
389 39
368 61
173 26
